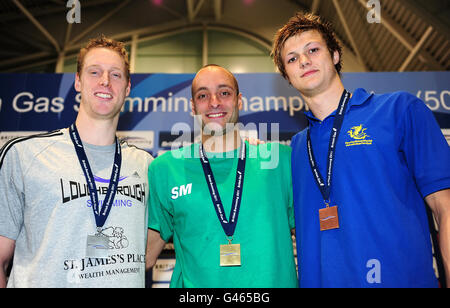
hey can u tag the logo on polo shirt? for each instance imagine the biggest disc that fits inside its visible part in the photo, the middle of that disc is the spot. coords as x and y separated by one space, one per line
359 136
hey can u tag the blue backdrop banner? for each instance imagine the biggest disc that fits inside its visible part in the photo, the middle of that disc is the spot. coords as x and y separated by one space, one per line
157 114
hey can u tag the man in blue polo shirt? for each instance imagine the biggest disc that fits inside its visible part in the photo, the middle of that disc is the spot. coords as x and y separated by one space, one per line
363 172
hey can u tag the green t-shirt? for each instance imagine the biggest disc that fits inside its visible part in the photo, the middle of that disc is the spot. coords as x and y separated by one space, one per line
180 205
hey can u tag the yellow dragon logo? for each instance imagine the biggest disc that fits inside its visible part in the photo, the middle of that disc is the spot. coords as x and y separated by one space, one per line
358 132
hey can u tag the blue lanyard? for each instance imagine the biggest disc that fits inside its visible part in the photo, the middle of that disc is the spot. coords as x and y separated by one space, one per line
100 214
228 226
325 187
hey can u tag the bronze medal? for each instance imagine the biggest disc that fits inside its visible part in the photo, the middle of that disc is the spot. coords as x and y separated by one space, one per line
329 218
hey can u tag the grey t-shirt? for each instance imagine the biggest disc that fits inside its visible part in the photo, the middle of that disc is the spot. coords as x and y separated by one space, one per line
45 207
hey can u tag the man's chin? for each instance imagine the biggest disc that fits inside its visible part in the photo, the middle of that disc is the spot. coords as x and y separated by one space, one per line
215 129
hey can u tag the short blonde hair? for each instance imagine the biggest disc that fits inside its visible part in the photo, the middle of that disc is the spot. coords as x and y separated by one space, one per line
104 42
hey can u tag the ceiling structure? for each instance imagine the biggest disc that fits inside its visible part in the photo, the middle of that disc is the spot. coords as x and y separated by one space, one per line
382 35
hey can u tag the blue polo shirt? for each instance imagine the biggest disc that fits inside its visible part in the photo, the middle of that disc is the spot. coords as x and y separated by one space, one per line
390 155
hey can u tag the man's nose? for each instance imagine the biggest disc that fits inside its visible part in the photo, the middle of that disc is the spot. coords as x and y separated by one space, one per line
104 81
214 101
304 60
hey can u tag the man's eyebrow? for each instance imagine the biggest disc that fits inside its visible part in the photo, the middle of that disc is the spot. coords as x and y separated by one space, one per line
224 86
220 86
113 68
302 48
310 43
200 89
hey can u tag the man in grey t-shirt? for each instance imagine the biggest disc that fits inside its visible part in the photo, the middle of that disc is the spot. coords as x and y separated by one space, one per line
73 202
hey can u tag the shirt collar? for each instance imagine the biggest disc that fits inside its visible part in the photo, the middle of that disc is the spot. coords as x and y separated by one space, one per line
359 97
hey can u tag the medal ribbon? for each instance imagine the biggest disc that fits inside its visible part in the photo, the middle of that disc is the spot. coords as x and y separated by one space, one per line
325 187
100 214
228 226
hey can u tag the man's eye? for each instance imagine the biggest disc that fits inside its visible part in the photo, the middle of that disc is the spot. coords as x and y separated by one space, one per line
313 50
292 59
201 96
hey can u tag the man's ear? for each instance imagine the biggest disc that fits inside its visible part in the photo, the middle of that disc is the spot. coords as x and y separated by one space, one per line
128 88
77 83
192 107
240 101
336 57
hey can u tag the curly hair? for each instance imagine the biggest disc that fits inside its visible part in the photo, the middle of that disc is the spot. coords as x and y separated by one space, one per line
103 42
301 23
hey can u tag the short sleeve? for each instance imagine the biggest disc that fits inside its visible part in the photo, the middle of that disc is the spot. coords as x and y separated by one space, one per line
426 151
11 193
160 217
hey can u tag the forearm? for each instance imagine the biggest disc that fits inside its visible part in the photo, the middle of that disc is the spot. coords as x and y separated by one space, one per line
155 244
6 252
444 243
2 278
439 202
3 268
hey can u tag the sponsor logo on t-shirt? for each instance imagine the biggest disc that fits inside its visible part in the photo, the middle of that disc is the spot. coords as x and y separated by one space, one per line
180 191
72 190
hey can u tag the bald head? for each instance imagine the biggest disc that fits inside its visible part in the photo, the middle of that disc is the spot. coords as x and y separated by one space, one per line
213 68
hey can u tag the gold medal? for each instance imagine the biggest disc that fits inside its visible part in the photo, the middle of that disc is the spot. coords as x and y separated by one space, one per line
230 255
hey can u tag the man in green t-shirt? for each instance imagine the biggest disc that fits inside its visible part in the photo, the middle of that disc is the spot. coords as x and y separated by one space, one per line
226 203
